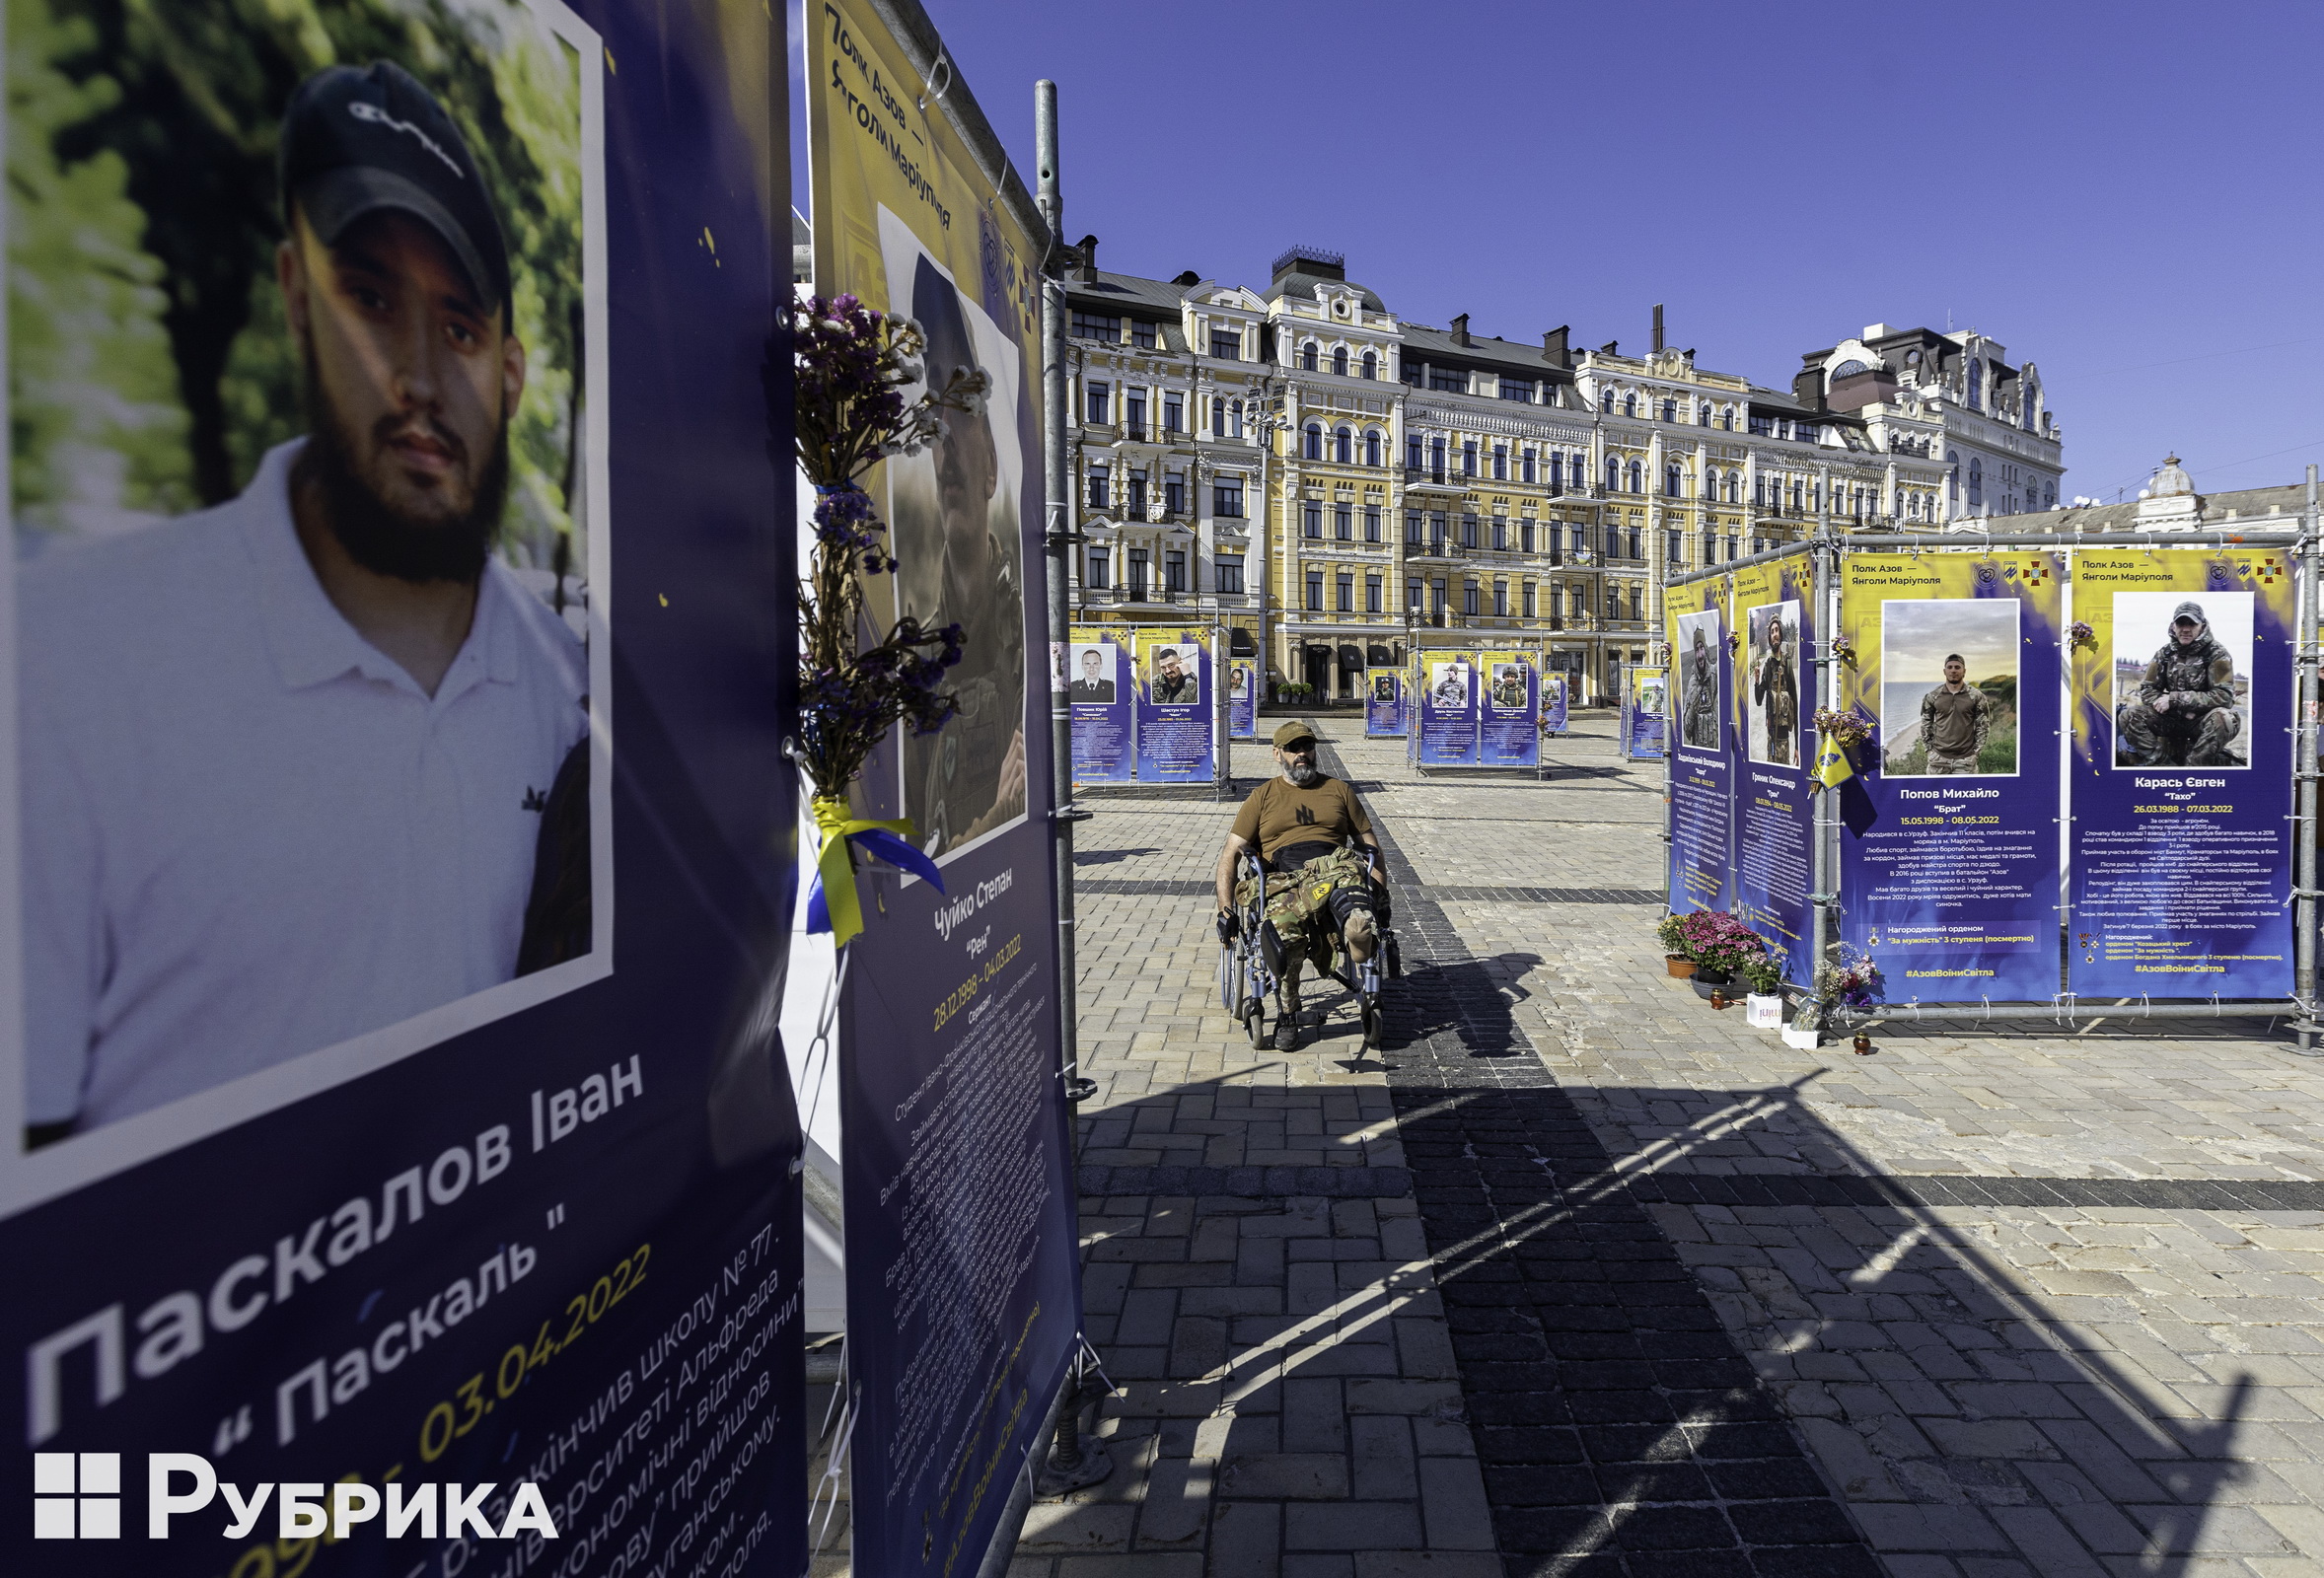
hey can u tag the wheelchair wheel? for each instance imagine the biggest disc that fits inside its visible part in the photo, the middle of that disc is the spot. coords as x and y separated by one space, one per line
1375 1023
1255 1021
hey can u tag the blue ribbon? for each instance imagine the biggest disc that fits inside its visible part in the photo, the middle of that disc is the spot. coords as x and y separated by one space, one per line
884 845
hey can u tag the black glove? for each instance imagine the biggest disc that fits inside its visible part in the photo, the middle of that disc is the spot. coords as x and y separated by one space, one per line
1227 928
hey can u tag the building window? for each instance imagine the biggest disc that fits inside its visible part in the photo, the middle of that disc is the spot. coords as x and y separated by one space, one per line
1412 528
1500 600
1439 602
1449 380
1141 333
1343 584
1525 465
1517 389
1469 458
1556 600
1638 600
1375 594
1311 520
1226 344
1344 522
1673 551
1100 403
1133 412
1413 372
1174 412
1372 448
1138 575
1630 405
1307 357
1314 450
1797 494
1412 595
1702 416
1226 496
1468 530
1734 547
1340 361
1436 531
1174 493
1606 401
1372 365
1173 569
1415 457
1734 487
1500 532
1097 326
1436 459
1136 504
1217 417
1638 478
1638 542
1613 600
1314 590
1230 572
1673 482
1500 463
1976 389
1343 446
1469 599
1976 479
1095 577
1670 410
1525 534
1613 473
1371 523
1528 604
1096 487
1557 476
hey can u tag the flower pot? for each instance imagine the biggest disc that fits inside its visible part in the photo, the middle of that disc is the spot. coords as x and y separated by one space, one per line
1801 1040
1680 968
1764 1011
1707 981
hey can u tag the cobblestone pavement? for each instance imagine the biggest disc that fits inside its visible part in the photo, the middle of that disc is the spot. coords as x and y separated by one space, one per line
1580 1276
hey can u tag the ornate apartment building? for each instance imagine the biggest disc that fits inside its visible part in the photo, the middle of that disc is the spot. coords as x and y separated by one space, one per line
1336 485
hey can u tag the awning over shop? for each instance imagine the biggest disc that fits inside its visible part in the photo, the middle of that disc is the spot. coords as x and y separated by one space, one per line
1378 657
1350 656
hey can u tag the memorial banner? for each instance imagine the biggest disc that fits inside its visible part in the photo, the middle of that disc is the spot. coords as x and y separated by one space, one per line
1447 731
1175 741
1384 703
1702 762
1508 712
397 560
1100 693
1242 698
963 1271
1953 893
1645 699
1553 702
2182 778
1771 610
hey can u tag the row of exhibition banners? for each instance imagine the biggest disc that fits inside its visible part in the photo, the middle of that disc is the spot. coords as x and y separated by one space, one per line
1142 706
2102 737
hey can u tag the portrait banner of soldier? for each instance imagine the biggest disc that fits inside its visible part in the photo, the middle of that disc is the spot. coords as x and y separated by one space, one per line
1699 654
309 524
2183 777
1771 688
1176 740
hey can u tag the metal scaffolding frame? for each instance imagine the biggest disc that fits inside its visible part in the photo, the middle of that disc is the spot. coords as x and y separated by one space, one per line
1825 549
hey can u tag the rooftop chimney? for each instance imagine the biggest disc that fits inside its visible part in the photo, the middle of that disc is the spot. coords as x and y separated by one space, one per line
1461 327
1553 347
1658 325
1088 247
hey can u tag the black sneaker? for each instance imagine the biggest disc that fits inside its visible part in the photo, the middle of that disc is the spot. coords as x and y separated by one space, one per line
1286 1033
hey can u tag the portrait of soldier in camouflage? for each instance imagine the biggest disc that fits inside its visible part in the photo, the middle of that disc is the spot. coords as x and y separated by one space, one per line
2183 713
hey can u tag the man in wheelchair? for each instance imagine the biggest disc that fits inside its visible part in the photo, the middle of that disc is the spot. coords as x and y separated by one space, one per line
1311 828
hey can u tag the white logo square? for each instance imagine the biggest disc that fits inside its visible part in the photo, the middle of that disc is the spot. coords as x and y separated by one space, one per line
53 1517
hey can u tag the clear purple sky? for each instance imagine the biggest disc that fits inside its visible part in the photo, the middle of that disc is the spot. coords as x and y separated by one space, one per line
2128 193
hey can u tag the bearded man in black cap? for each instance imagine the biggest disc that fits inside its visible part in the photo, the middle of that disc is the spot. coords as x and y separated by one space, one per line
2184 714
289 759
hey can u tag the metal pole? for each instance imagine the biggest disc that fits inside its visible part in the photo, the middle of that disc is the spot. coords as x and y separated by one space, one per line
2304 823
1824 861
1060 568
1222 783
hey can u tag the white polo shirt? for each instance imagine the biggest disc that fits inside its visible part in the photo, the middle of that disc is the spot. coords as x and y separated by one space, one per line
248 834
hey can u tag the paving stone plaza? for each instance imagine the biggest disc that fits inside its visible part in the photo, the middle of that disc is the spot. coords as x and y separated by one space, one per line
1579 1275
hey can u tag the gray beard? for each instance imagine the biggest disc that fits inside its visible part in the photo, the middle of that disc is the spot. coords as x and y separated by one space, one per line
1303 775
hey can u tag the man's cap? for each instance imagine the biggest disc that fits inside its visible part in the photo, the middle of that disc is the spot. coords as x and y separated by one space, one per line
2191 611
1289 734
361 140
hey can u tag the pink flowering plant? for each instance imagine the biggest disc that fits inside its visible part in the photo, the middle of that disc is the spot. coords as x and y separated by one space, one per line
1715 939
851 366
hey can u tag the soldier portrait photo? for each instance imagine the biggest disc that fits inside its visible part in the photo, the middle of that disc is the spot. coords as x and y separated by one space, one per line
2182 679
1700 705
1448 684
1384 688
1092 675
1508 688
1948 686
1176 676
303 547
1771 710
957 511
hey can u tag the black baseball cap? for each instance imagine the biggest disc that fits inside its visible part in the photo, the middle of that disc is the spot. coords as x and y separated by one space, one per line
357 141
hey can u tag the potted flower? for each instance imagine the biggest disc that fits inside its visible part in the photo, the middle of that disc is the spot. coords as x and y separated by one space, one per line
1719 945
1764 1004
1676 955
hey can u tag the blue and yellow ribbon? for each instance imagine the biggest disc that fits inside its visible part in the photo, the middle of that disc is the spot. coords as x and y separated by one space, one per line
833 904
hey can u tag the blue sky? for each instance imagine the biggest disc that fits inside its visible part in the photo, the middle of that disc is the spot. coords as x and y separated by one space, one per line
2127 193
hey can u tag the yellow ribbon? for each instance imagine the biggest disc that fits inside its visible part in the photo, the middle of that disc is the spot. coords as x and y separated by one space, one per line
837 869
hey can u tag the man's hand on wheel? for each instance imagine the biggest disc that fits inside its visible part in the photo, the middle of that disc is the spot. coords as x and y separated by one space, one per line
1227 928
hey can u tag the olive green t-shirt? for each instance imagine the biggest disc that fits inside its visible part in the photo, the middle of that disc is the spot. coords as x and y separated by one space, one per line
1279 813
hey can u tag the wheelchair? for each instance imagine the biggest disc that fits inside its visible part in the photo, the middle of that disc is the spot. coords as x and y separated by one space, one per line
1253 968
